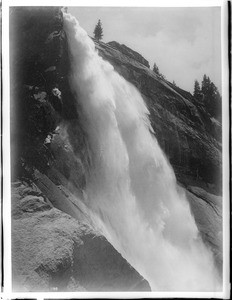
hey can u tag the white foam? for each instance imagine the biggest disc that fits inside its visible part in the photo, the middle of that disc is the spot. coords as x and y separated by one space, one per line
131 190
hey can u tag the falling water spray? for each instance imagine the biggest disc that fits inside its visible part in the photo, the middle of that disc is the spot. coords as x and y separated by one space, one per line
131 189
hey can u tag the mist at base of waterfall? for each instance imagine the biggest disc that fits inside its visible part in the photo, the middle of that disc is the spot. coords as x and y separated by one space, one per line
131 189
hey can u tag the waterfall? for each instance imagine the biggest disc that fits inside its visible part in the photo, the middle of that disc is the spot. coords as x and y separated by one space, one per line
131 188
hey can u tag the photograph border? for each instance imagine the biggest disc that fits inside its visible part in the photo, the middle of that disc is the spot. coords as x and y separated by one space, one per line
6 203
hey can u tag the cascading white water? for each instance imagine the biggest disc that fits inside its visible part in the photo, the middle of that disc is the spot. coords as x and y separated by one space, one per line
131 190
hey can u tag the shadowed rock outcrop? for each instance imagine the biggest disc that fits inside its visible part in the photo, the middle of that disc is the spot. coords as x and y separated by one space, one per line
45 239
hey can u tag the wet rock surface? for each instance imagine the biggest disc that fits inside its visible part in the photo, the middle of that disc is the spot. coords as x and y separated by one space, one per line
207 211
51 251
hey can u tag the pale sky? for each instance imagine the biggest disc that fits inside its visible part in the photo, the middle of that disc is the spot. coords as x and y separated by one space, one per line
185 43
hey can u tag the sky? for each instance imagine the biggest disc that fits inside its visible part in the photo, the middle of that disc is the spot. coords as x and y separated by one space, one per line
185 43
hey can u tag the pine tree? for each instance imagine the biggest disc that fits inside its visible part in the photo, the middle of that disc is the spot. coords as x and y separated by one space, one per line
156 71
197 90
205 85
98 31
211 97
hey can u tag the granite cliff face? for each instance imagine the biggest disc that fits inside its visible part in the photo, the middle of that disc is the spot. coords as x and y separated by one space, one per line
187 134
52 251
129 52
47 174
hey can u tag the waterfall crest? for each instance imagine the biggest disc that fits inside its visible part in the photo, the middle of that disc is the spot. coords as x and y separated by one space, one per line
131 189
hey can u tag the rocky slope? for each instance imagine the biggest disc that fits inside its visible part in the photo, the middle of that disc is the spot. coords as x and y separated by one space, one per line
52 251
73 256
207 210
185 131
